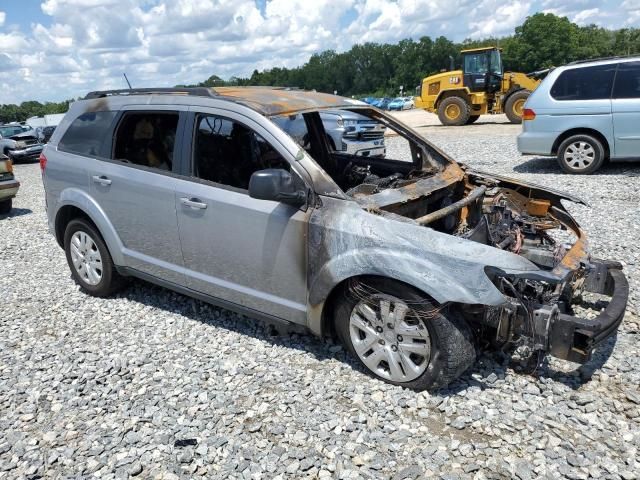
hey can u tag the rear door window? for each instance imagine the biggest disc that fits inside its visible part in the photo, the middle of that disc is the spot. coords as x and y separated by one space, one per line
627 81
87 133
147 139
584 83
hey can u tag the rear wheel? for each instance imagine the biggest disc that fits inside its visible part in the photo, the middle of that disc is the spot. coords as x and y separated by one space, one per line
472 119
514 107
5 206
454 111
399 335
89 260
581 154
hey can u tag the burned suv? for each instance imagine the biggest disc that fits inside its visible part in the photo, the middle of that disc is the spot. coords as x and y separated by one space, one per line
411 260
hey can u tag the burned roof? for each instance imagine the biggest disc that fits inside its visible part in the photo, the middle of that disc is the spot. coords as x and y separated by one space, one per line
269 101
282 101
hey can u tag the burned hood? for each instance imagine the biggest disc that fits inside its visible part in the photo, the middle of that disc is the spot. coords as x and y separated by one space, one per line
534 189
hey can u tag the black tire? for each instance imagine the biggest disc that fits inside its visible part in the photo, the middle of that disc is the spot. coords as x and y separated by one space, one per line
5 206
514 105
454 111
452 349
589 163
472 119
111 281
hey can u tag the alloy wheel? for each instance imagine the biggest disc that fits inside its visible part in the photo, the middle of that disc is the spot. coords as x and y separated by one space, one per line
390 338
579 155
86 257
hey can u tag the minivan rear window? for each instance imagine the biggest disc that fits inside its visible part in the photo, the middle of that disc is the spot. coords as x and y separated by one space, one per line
584 83
86 134
627 81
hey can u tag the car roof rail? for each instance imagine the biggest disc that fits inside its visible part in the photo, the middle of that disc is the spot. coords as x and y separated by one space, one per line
192 91
601 59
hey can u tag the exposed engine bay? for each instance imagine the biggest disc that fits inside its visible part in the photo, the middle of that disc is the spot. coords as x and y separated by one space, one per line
517 218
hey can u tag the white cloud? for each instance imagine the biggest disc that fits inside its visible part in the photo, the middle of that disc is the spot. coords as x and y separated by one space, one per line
83 45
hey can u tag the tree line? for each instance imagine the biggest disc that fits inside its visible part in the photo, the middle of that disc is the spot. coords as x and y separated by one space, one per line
19 113
380 69
543 40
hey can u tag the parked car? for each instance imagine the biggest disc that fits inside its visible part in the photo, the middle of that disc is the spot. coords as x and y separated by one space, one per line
19 143
346 132
408 261
585 113
383 103
369 100
44 133
408 103
396 104
8 184
352 133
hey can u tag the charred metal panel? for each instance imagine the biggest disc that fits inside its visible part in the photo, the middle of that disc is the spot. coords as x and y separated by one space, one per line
275 101
450 175
346 241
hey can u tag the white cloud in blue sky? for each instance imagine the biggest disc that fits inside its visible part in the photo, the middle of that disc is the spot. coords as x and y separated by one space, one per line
56 49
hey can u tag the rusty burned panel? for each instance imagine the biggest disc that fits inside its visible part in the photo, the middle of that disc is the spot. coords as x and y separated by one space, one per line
274 101
579 252
451 174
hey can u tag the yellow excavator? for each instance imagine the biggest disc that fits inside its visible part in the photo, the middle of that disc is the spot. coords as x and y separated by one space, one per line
459 97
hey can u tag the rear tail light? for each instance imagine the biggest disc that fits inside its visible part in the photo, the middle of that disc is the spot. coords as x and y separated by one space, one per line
528 114
43 162
9 166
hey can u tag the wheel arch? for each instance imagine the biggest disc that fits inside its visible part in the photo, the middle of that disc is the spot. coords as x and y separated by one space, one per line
458 92
581 131
418 273
326 321
77 204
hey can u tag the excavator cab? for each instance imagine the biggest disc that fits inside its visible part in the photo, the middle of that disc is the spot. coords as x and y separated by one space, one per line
482 69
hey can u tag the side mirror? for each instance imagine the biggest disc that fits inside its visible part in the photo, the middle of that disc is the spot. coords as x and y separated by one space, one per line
277 185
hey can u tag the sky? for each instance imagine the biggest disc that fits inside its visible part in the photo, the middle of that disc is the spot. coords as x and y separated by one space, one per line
53 50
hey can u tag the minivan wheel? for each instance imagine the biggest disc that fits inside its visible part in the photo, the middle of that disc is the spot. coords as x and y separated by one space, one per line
89 260
399 336
581 154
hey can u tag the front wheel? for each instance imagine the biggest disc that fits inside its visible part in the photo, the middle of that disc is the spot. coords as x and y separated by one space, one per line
581 154
89 260
401 337
454 111
514 107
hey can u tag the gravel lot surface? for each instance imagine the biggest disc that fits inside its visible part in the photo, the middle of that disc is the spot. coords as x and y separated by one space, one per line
156 385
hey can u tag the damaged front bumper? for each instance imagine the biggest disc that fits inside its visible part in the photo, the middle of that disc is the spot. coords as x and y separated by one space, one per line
574 338
31 153
552 327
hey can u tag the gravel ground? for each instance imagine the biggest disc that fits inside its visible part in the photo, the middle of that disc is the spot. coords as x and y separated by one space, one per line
154 384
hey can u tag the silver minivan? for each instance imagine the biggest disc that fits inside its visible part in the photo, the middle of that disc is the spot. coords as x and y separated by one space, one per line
585 113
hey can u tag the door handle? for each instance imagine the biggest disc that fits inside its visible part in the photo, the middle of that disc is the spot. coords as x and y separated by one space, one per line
101 179
193 203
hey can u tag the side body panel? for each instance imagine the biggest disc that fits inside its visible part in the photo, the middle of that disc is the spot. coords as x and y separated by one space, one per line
626 127
347 241
246 251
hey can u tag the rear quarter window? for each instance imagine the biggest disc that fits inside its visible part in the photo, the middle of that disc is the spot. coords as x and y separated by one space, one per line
584 83
87 133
